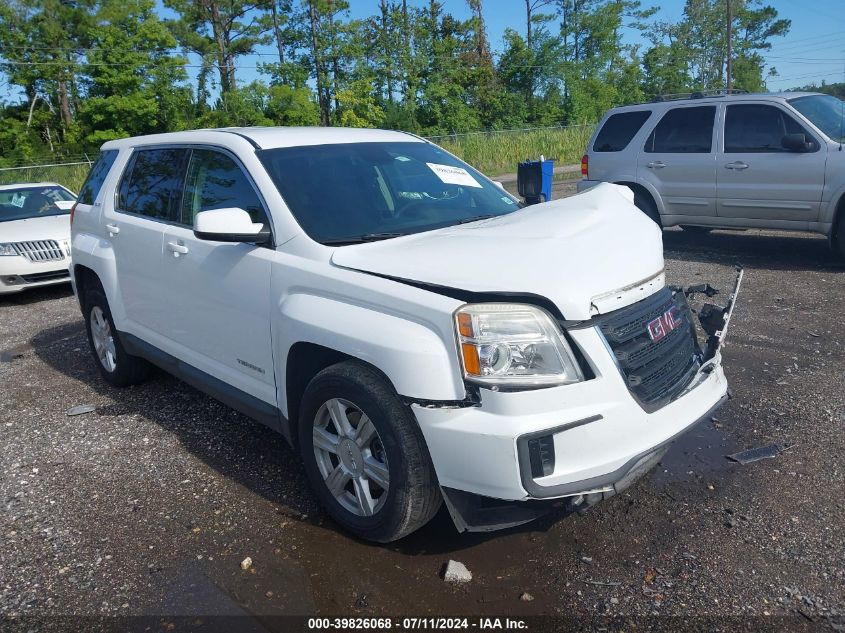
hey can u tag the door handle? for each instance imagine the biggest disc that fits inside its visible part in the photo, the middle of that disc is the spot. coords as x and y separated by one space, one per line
113 229
656 164
738 165
177 249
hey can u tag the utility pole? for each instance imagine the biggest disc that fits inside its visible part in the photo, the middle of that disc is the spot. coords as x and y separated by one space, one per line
729 32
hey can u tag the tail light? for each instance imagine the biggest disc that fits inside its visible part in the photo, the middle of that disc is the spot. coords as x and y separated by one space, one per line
73 208
585 165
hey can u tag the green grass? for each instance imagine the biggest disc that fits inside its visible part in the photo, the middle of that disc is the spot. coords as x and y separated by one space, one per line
71 176
495 153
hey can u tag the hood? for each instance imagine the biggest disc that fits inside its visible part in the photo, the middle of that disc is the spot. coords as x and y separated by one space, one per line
48 227
589 254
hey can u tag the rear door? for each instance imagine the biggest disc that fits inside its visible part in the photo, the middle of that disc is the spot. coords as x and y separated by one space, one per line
147 200
218 294
756 177
678 160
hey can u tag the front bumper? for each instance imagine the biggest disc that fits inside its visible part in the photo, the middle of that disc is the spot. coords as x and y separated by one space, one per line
599 432
17 273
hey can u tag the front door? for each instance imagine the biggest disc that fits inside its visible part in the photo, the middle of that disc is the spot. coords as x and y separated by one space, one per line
678 161
219 293
757 178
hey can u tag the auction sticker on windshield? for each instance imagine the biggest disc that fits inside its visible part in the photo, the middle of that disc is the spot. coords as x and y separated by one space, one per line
454 175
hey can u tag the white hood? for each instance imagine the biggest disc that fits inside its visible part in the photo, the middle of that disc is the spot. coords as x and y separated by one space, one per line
48 227
589 254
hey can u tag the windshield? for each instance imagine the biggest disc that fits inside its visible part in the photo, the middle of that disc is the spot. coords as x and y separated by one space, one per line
31 202
825 112
354 192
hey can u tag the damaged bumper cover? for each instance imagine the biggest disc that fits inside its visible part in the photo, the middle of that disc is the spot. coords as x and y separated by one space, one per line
566 446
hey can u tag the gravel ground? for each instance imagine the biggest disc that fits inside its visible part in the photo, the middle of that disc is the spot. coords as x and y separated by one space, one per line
149 504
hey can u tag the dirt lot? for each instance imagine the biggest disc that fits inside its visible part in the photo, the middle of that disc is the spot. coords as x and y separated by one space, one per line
148 505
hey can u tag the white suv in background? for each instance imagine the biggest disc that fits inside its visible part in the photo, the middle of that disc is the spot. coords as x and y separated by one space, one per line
412 331
771 161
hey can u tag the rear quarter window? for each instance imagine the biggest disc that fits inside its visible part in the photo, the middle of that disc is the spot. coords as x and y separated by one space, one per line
96 176
619 129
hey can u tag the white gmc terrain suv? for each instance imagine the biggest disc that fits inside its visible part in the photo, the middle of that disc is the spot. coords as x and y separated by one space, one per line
398 317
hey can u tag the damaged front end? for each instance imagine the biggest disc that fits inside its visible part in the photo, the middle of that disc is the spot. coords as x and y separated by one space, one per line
662 356
714 320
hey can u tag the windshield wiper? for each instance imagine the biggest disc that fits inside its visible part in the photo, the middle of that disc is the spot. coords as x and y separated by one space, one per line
360 239
478 218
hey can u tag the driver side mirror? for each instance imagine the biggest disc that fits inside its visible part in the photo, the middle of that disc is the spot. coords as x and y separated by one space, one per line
229 225
796 143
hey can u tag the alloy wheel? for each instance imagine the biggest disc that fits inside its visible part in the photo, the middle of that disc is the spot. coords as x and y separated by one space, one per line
351 457
103 339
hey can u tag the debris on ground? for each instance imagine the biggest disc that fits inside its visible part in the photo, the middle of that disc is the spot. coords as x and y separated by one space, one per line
526 597
81 409
456 572
587 560
246 563
755 454
599 583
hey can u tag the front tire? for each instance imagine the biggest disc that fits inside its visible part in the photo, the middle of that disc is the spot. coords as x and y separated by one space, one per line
839 238
365 455
117 366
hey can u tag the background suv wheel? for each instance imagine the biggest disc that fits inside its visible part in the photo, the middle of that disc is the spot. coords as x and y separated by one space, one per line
365 455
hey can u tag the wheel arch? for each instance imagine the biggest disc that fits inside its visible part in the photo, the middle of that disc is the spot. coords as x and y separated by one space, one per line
641 189
304 361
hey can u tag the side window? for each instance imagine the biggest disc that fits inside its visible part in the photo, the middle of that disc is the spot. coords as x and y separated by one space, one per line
619 129
683 131
215 181
758 128
152 185
96 176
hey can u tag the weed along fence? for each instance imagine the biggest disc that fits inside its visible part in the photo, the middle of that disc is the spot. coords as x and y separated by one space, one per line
493 152
71 174
499 151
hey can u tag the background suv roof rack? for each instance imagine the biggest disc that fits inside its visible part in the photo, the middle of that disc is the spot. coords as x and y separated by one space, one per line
698 94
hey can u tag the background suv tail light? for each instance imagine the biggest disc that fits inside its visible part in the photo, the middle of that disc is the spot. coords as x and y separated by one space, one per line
585 165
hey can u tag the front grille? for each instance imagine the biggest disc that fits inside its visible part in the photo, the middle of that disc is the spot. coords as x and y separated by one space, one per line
656 371
53 274
40 251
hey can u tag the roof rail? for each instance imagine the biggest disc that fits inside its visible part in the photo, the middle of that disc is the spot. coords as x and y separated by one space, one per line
698 94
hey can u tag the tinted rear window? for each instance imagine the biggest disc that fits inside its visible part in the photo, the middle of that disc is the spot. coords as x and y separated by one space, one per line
152 186
683 131
618 131
94 182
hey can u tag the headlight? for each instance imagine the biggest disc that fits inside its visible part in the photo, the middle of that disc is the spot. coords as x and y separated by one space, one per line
7 249
513 345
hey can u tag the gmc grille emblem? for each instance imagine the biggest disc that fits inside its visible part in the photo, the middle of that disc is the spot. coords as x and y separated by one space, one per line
665 323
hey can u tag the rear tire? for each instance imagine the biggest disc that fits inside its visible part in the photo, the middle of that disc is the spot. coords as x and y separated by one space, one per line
378 483
117 366
645 203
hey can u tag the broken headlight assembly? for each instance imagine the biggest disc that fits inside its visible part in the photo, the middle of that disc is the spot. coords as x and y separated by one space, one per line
513 345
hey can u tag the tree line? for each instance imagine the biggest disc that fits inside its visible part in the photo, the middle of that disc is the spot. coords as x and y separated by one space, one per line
86 71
